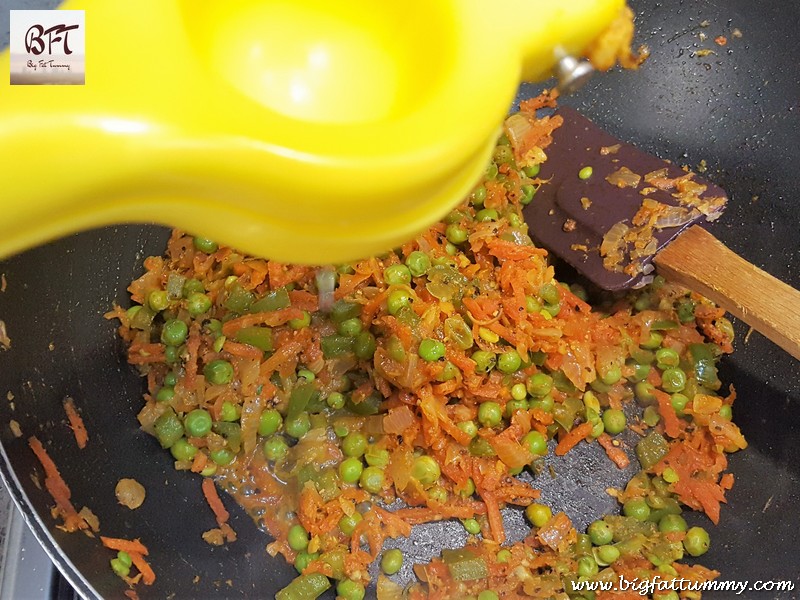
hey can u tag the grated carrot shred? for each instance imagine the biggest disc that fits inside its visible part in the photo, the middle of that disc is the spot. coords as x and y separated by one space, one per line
76 423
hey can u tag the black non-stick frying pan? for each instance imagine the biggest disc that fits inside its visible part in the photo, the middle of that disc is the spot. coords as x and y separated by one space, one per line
738 109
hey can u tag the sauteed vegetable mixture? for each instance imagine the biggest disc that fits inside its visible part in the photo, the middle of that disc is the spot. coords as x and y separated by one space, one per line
343 406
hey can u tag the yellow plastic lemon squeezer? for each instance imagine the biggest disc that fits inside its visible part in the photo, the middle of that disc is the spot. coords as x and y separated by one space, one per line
306 131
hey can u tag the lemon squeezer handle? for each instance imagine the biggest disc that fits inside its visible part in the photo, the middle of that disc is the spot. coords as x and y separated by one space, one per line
547 31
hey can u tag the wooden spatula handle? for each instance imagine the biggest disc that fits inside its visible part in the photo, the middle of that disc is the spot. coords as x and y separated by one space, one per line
702 263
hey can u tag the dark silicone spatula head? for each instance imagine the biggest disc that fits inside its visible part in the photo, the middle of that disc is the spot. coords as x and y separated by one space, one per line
570 215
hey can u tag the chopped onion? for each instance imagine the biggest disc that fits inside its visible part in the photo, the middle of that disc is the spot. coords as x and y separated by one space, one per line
517 127
613 240
674 216
624 177
326 283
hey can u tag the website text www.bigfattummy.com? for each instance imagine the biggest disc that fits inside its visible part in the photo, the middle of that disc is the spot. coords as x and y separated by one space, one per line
645 587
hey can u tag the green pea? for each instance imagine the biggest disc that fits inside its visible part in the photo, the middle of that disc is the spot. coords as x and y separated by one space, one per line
607 554
218 372
438 494
644 392
351 468
229 412
653 341
484 360
449 371
376 457
528 192
478 196
348 523
509 361
513 406
275 447
539 384
214 326
269 422
553 309
222 457
170 379
491 171
696 541
456 234
298 426
418 263
535 442
611 375
518 391
585 173
350 327
364 345
468 427
355 444
347 589
397 275
488 595
165 394
205 245
158 300
670 523
679 402
587 566
183 450
490 414
192 286
531 171
532 305
673 380
303 559
198 303
636 508
600 532
297 538
197 423
549 293
174 332
504 555
487 214
538 514
468 489
726 412
372 479
425 470
335 400
614 421
391 561
640 372
667 357
120 568
397 300
300 322
431 350
472 526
